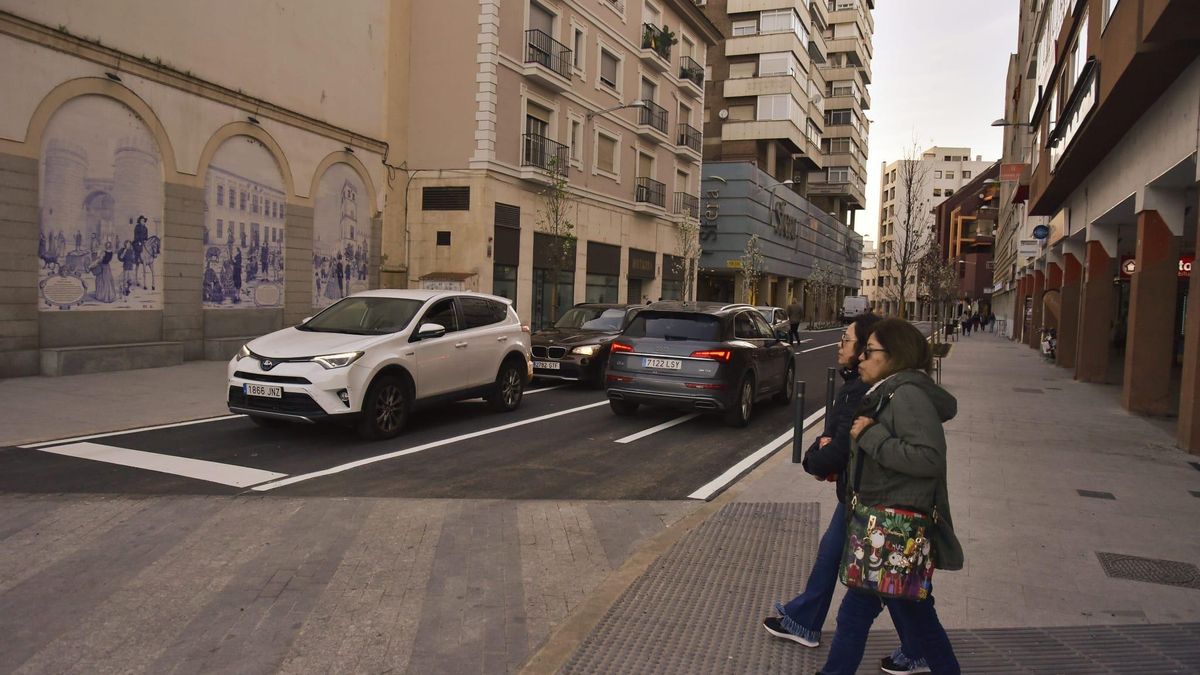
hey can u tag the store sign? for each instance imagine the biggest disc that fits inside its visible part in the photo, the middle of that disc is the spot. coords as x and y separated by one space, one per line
1011 173
1041 232
1129 266
785 224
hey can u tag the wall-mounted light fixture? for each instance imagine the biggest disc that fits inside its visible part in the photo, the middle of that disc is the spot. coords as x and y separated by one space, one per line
349 149
252 119
112 76
1005 123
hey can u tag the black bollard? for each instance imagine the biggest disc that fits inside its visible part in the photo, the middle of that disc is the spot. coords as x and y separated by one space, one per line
830 381
798 434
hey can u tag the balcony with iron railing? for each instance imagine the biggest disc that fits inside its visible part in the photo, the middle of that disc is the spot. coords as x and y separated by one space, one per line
541 155
543 53
687 205
689 140
649 191
656 46
691 73
652 120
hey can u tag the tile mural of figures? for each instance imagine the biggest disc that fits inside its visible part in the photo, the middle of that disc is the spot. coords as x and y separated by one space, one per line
100 210
341 236
244 214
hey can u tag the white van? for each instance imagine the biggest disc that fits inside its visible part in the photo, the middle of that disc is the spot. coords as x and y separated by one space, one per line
854 305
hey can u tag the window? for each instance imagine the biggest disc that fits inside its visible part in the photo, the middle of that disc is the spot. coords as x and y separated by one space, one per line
576 140
949 192
443 314
220 195
966 174
241 201
845 116
577 46
606 153
220 229
937 192
838 174
745 27
782 21
1109 6
947 158
253 203
738 69
443 238
949 174
773 107
651 14
480 312
937 174
609 64
741 113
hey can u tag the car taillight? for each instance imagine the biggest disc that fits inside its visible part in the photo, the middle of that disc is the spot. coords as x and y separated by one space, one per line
620 347
722 355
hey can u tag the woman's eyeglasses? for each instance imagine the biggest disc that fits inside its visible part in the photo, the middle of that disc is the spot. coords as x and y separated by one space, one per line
845 339
871 350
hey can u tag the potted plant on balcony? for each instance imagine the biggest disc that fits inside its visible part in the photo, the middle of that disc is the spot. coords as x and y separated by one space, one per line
666 39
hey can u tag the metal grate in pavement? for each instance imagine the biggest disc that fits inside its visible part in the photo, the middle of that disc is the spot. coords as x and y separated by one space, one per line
1027 390
1152 570
698 610
1096 494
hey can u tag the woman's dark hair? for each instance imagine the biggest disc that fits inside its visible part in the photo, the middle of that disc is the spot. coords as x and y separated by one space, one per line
907 348
863 325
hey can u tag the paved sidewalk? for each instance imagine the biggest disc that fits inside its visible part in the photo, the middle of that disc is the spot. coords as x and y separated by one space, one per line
1031 598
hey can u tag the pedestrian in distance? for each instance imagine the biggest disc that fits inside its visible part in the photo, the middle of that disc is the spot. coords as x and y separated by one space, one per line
965 322
900 445
795 312
802 619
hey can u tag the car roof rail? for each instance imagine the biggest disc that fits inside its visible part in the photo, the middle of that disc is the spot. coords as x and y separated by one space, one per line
736 305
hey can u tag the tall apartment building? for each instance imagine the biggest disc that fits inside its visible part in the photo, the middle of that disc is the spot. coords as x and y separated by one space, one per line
767 106
939 173
870 273
1101 116
299 154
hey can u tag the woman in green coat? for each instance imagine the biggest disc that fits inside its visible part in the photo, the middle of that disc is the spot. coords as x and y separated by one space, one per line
899 441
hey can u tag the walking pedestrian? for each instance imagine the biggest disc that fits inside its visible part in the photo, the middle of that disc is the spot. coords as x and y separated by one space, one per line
801 619
795 312
966 322
900 446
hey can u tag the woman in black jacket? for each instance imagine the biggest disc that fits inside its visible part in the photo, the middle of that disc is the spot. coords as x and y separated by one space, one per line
801 619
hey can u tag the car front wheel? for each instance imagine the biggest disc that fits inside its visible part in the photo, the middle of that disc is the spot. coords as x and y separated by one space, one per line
739 415
510 387
385 409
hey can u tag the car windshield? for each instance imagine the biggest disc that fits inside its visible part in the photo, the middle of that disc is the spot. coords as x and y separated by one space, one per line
577 316
700 327
610 320
364 316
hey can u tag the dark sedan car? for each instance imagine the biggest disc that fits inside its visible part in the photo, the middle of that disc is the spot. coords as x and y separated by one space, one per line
704 356
576 348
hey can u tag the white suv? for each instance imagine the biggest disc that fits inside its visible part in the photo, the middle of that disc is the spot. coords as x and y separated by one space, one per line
372 357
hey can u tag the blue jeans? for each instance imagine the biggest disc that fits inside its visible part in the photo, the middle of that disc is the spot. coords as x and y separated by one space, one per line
858 612
808 610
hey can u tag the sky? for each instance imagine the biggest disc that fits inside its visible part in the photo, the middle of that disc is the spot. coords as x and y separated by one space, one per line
938 77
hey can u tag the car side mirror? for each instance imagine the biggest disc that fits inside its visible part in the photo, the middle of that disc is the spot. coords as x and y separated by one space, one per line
430 330
305 319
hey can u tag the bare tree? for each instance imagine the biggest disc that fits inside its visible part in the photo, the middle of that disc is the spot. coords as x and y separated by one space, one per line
822 284
689 254
751 270
938 284
555 218
913 231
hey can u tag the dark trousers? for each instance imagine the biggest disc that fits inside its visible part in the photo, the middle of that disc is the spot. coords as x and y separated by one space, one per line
794 332
858 612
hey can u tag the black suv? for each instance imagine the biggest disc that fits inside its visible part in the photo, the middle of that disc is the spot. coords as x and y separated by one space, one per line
699 356
576 348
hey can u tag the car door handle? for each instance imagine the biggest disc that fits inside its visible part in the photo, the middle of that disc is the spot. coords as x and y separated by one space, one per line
502 338
460 345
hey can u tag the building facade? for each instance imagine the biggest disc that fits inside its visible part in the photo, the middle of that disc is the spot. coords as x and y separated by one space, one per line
1109 107
925 182
965 232
870 273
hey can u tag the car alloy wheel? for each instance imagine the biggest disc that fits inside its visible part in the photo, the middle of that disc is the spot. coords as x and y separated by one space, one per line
788 390
509 389
739 416
385 409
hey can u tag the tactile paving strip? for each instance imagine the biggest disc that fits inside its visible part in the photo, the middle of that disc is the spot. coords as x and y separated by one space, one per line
698 608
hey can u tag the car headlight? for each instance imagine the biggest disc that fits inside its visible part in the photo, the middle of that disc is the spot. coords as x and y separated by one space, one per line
331 361
586 350
243 352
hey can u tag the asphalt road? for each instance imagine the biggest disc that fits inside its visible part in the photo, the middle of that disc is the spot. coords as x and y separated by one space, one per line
562 443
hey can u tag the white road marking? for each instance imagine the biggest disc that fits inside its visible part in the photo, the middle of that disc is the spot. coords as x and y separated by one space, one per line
813 349
655 429
419 448
804 340
717 484
479 399
213 472
129 431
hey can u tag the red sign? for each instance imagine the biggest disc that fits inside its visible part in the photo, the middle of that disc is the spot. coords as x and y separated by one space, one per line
1011 173
1129 266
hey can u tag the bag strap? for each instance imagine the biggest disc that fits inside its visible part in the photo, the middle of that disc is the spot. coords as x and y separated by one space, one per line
858 462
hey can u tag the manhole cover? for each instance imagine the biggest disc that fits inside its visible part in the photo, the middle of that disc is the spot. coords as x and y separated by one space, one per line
1096 494
1151 570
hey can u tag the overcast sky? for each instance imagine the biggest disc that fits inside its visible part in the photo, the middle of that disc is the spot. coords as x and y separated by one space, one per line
938 75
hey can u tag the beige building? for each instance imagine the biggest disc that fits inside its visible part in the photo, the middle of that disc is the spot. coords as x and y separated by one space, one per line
175 179
870 273
938 174
611 92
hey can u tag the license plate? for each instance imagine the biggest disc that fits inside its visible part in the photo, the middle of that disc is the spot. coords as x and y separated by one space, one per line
546 365
264 390
663 364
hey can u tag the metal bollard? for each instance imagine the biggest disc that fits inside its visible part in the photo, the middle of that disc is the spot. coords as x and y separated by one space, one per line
830 381
798 433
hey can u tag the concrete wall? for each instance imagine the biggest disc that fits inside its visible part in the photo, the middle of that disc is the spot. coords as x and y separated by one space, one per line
18 266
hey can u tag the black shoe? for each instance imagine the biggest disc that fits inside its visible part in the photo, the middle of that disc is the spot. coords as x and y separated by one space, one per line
887 665
775 627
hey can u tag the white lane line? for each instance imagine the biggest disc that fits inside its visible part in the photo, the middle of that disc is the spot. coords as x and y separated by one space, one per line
813 349
717 484
479 399
129 431
419 448
655 429
213 472
804 340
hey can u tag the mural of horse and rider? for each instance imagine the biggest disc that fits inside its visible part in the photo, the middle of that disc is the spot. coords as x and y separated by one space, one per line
101 206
